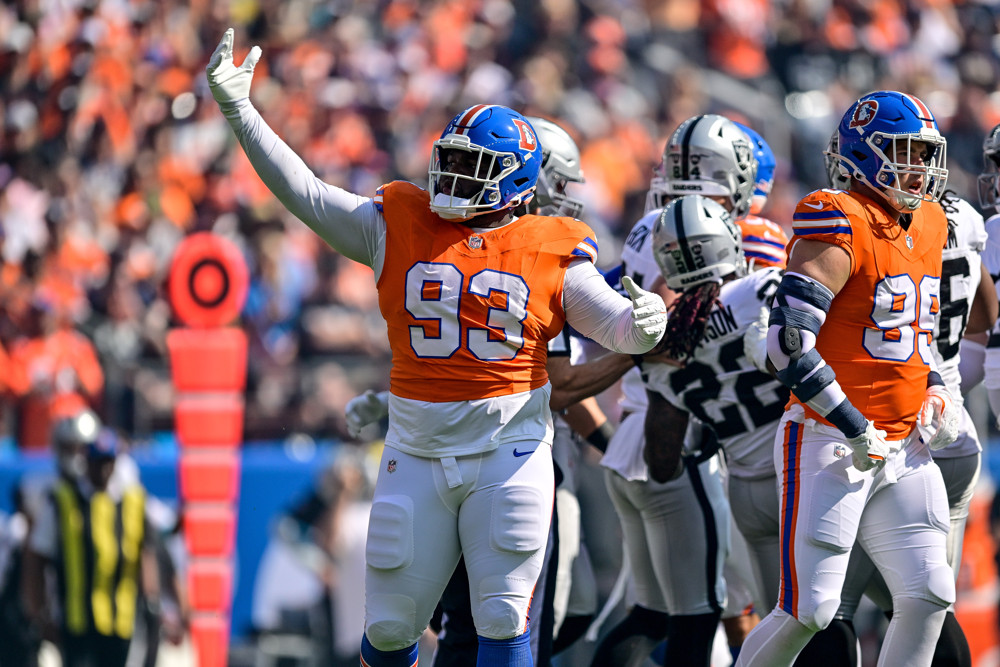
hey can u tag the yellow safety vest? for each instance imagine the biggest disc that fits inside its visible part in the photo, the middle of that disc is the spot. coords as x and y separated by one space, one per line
109 536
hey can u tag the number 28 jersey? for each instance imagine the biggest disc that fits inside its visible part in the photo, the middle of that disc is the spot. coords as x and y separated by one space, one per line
877 335
720 386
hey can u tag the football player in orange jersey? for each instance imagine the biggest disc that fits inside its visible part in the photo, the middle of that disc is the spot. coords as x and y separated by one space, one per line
968 306
850 335
471 293
571 595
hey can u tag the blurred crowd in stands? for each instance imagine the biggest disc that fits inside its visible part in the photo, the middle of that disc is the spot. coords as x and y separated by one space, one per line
112 150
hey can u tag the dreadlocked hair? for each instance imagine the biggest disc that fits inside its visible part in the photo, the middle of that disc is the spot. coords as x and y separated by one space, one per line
688 318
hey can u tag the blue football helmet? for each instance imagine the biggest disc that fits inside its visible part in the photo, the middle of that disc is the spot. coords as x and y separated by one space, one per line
989 179
765 168
486 160
876 136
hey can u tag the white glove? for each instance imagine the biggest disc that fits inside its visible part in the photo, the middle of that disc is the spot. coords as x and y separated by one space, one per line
649 314
755 340
228 82
366 409
939 413
870 448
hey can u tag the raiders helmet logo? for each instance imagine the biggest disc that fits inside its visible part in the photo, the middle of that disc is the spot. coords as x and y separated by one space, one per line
864 113
744 154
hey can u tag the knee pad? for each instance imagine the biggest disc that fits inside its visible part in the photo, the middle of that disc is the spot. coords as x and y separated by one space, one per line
823 615
821 602
390 534
499 618
391 622
940 585
503 607
520 520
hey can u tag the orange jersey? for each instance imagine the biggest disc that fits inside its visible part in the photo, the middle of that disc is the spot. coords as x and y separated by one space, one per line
764 242
469 312
877 334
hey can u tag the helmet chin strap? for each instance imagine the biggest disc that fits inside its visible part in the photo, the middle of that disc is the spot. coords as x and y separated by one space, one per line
444 206
901 202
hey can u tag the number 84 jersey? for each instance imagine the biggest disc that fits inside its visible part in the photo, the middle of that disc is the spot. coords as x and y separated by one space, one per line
721 387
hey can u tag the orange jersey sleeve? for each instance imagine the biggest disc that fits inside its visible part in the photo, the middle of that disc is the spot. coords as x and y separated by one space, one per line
469 312
764 242
877 334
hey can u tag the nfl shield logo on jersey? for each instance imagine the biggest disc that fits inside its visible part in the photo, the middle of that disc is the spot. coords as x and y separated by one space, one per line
391 466
840 451
475 242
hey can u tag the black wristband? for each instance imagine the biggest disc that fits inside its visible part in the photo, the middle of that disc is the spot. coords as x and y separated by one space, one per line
934 378
637 360
600 436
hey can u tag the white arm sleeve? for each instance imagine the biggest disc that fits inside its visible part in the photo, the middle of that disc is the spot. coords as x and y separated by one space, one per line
599 312
349 223
971 360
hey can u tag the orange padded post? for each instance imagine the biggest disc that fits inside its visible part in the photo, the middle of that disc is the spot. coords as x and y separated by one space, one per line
210 636
211 585
207 286
209 530
210 476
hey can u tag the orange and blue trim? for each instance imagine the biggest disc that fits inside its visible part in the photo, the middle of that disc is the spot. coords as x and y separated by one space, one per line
586 248
788 593
821 222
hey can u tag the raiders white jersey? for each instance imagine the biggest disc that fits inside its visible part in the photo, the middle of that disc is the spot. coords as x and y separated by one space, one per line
960 275
638 263
722 387
961 271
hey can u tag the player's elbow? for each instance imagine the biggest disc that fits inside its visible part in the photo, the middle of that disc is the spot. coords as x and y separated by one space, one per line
560 400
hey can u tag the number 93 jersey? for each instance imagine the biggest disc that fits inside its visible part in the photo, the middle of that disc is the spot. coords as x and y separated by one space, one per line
877 334
961 271
721 387
469 312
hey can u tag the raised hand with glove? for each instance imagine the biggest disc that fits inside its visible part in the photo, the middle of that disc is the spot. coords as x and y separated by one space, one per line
870 448
366 409
649 314
228 82
940 416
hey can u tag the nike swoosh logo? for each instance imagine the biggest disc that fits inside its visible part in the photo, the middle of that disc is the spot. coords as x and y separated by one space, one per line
815 206
517 453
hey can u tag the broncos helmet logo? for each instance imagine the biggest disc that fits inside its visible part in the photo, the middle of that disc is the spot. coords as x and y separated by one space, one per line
864 114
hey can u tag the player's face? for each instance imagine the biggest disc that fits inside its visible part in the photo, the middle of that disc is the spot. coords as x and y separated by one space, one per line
917 154
464 163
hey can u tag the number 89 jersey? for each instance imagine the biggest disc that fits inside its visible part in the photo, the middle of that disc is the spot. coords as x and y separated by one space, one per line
721 387
877 334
